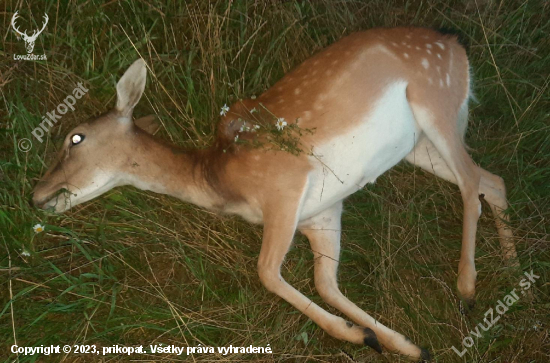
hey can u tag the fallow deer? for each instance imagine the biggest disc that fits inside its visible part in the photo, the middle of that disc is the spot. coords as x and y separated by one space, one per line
369 101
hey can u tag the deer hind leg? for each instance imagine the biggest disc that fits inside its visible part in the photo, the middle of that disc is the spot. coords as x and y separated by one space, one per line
491 187
323 232
451 162
494 191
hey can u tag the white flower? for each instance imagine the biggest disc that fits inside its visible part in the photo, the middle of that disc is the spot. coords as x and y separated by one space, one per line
25 253
224 110
253 97
236 138
243 128
256 127
38 228
280 124
253 110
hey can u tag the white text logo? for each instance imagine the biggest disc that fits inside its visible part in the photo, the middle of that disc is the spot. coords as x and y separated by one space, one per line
29 39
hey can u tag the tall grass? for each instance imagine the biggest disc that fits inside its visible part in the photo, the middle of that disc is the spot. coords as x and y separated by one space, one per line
135 268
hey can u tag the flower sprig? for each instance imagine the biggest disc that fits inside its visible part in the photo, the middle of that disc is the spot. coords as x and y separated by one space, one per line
224 110
278 134
281 123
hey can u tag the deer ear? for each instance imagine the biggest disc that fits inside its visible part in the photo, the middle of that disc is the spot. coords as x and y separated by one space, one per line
148 124
130 87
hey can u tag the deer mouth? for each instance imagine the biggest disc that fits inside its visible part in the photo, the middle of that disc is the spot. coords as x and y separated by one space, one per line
58 201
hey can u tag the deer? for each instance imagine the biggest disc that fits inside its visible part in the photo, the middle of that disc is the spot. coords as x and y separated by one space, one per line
29 39
370 100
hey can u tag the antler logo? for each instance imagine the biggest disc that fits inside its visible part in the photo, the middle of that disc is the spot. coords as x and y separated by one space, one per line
29 39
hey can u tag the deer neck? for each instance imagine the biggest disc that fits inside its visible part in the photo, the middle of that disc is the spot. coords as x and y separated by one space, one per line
167 169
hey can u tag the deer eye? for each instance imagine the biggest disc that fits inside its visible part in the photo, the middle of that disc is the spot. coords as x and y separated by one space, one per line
77 139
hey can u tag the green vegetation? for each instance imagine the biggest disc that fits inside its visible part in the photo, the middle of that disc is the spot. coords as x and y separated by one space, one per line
135 268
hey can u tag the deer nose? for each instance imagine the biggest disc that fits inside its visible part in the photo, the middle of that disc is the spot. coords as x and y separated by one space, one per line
39 199
38 202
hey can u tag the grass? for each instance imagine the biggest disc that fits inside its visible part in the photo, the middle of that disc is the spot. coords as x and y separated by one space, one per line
134 268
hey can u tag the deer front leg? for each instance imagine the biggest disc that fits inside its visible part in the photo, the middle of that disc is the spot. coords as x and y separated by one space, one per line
280 222
323 232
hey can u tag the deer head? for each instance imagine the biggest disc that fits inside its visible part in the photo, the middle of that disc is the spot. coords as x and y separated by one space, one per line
97 155
29 39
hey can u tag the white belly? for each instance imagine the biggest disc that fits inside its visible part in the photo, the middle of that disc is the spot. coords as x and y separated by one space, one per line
347 162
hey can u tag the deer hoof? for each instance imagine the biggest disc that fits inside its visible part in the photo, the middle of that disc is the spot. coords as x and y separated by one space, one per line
371 340
424 356
467 305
